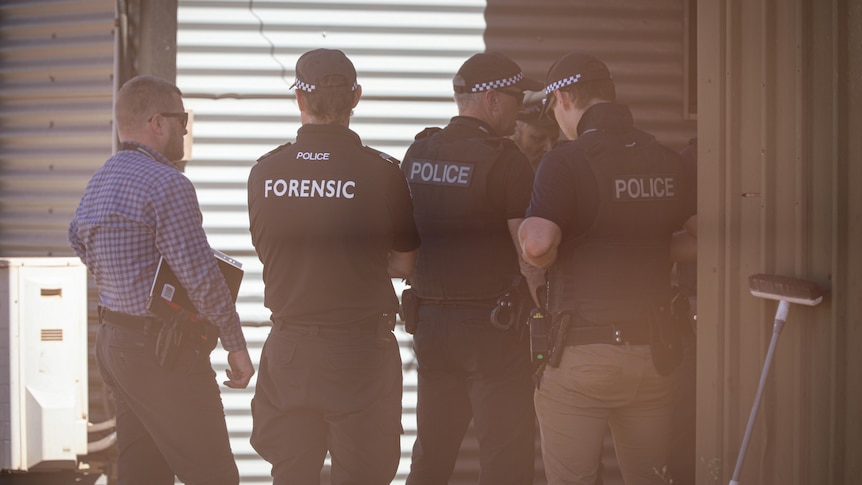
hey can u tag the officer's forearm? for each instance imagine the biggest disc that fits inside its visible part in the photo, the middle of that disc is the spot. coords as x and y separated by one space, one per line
401 265
539 240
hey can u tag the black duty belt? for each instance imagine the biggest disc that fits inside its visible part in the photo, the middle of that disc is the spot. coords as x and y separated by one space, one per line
636 333
359 329
148 325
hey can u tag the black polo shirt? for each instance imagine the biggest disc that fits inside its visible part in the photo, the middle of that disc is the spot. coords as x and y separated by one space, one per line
324 212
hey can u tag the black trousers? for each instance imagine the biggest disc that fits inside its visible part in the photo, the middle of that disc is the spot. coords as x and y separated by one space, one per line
169 422
468 369
321 389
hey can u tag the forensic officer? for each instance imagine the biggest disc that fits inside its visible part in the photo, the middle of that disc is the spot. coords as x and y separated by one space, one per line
471 187
604 208
332 222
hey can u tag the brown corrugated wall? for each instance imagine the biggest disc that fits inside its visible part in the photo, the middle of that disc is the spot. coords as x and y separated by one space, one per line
779 164
643 44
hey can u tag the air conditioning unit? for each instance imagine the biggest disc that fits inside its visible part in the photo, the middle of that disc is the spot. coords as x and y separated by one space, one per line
43 363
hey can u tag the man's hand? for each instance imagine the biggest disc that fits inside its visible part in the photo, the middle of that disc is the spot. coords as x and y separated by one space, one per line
240 369
535 276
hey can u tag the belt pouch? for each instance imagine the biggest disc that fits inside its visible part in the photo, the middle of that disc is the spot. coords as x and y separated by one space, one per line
665 341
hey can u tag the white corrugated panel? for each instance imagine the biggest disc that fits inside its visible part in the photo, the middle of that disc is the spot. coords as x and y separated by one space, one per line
235 63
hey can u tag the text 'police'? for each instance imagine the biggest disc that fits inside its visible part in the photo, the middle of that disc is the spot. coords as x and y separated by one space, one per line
435 172
641 188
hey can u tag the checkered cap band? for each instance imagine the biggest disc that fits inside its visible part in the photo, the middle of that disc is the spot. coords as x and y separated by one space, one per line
309 88
303 86
500 83
562 82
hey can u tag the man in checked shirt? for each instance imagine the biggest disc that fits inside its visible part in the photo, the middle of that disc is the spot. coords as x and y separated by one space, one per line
137 207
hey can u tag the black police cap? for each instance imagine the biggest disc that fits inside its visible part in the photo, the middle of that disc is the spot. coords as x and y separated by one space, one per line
313 66
491 70
575 68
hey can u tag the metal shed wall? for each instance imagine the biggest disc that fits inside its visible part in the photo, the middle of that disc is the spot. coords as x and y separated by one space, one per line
56 97
56 94
779 158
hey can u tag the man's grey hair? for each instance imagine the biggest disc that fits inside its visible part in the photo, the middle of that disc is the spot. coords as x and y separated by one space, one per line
467 100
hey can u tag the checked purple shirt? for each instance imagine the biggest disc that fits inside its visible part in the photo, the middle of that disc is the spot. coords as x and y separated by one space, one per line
137 207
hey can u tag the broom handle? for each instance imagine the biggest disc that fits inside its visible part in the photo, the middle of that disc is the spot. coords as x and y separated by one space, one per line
780 318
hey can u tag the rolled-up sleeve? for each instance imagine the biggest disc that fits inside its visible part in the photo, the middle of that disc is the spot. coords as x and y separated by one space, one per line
181 240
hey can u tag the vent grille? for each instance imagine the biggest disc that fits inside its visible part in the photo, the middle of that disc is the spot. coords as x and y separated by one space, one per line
52 334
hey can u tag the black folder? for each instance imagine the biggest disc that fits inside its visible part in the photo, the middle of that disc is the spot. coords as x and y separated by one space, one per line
168 297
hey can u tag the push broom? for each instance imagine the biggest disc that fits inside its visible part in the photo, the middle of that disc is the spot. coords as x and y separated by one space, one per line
786 290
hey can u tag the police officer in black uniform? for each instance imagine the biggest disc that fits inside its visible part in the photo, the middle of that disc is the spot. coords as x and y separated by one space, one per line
470 189
604 208
331 221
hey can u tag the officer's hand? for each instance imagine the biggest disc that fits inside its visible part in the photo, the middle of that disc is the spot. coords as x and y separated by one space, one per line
240 369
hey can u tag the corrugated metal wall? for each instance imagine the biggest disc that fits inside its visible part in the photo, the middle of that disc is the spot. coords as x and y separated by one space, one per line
56 98
56 92
779 123
643 44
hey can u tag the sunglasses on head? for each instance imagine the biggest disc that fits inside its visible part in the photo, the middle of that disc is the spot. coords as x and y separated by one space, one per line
184 117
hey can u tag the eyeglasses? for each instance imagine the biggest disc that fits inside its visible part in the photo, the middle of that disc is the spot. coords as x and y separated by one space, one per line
518 95
184 117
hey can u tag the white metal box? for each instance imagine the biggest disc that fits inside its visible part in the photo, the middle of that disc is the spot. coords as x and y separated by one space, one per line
43 363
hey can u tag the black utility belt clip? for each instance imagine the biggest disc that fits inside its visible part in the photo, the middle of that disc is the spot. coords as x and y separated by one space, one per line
506 311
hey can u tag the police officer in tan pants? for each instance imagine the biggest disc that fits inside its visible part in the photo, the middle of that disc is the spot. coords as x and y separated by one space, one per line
604 208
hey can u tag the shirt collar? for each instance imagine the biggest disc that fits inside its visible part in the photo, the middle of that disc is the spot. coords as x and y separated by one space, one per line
328 130
611 117
474 123
148 151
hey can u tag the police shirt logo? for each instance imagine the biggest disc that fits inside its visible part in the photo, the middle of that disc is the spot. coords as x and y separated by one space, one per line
439 172
644 188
